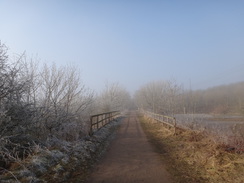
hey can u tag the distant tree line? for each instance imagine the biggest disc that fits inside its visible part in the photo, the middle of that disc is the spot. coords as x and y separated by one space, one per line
168 97
224 99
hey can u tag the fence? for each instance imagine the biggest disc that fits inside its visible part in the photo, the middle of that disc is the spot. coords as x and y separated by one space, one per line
168 120
100 120
235 141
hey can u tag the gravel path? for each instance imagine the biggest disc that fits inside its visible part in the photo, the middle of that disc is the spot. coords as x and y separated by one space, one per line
130 158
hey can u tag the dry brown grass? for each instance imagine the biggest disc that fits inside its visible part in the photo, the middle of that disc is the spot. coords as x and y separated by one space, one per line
193 157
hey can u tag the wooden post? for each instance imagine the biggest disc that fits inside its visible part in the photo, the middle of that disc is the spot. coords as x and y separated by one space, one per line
174 126
91 131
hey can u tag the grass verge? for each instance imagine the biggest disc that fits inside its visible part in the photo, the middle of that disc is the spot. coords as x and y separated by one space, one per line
193 157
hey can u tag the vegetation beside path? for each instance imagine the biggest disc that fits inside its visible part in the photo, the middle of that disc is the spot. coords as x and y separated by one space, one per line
193 157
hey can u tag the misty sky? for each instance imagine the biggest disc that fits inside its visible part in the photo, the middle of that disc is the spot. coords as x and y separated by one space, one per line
131 42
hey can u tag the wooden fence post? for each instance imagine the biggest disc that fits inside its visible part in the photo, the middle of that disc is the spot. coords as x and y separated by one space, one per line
174 126
91 131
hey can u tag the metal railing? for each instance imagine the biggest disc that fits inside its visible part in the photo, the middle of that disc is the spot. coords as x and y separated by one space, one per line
98 121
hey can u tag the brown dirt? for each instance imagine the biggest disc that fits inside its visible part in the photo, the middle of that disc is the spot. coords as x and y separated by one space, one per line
130 158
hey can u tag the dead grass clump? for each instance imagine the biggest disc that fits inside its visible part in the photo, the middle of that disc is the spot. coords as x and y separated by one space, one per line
193 156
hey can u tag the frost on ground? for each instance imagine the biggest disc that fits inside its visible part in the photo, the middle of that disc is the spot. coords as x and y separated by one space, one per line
59 160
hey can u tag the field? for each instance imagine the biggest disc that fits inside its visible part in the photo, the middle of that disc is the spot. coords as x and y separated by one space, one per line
224 129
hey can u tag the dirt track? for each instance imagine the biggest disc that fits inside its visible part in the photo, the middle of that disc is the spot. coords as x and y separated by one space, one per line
130 158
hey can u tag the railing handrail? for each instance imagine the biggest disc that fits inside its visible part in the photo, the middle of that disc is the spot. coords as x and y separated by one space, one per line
170 117
157 117
103 113
101 120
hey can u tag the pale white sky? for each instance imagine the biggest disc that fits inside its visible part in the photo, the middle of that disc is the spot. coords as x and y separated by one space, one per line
131 42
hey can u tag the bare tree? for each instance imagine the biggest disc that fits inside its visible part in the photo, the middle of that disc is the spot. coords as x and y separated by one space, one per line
152 96
63 99
3 72
159 97
14 84
42 101
37 104
114 97
173 97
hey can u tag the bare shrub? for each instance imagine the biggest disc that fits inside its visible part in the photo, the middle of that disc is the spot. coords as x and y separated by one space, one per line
63 101
42 102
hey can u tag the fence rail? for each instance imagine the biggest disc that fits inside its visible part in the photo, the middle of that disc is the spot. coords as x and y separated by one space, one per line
98 121
168 120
